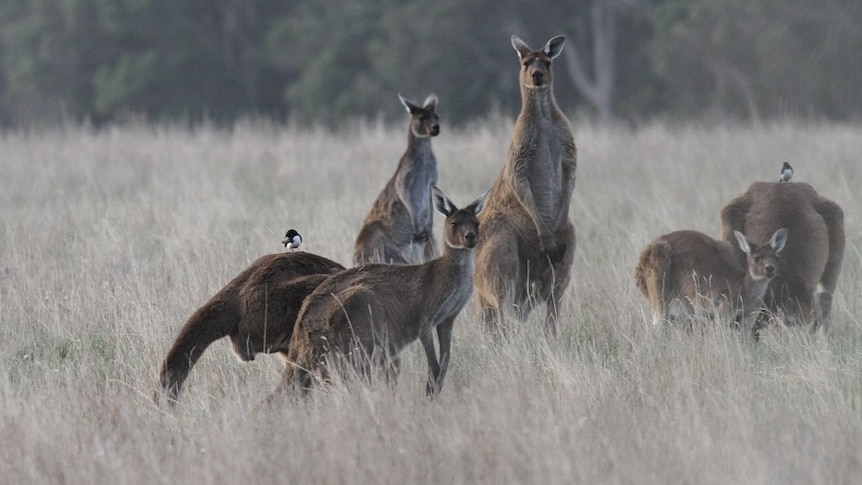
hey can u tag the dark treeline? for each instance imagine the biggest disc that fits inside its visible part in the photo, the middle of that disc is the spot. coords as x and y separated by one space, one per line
331 60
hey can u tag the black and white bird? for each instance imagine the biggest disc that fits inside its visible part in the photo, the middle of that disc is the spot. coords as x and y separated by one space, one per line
786 173
292 239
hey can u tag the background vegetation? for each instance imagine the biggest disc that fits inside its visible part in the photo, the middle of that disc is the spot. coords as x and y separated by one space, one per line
111 238
327 61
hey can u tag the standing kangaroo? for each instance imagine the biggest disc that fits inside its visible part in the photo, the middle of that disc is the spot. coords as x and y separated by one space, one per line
369 314
528 242
684 271
398 229
803 291
256 309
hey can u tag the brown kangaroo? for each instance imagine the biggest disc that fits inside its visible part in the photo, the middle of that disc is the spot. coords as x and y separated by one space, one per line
683 272
813 256
257 310
528 243
398 229
369 314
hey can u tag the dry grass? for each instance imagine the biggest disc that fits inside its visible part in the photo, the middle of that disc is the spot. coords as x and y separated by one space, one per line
110 240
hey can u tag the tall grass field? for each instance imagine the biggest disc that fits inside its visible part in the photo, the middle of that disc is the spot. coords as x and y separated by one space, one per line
110 239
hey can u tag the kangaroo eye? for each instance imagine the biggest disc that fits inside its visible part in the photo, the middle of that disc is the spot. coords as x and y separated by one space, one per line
547 63
757 259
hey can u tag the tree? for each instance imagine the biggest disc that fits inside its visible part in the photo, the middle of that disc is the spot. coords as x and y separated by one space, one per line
104 59
326 45
760 59
597 88
605 50
189 58
335 60
350 59
48 51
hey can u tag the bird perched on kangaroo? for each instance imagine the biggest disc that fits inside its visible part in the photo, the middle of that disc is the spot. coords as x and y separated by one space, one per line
370 313
786 173
398 228
528 242
257 310
292 239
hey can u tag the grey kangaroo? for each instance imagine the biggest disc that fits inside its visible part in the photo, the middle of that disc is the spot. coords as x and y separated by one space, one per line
528 242
398 228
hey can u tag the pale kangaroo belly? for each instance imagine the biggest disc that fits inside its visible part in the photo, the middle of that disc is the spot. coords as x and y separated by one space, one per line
545 174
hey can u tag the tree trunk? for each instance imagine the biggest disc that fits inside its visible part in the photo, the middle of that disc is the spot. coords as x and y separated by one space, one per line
597 88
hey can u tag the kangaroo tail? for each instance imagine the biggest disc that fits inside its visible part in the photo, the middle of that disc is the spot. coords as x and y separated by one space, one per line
651 274
214 320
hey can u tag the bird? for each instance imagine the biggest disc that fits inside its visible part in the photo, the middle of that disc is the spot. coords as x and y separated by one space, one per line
292 239
786 173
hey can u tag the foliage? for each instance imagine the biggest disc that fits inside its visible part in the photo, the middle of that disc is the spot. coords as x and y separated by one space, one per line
334 60
104 59
767 58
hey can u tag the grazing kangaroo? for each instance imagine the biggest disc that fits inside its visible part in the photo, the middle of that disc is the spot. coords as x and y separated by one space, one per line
685 271
369 314
398 229
803 291
528 242
257 310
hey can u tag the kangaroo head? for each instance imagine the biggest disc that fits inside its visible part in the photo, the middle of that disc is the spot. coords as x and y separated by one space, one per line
424 120
536 65
762 260
461 229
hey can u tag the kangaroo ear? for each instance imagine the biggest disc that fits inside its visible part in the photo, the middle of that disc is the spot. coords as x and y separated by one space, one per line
743 242
520 46
554 46
411 108
779 239
442 203
430 101
477 205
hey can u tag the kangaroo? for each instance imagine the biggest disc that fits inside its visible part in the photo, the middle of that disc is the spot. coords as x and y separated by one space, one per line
803 291
528 243
684 271
398 228
369 314
256 309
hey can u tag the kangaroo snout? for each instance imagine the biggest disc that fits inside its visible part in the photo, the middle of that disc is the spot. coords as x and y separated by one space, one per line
769 270
538 77
470 239
435 129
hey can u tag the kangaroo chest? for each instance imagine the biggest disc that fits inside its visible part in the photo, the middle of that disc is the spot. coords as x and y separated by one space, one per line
449 298
543 163
413 182
425 178
453 303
